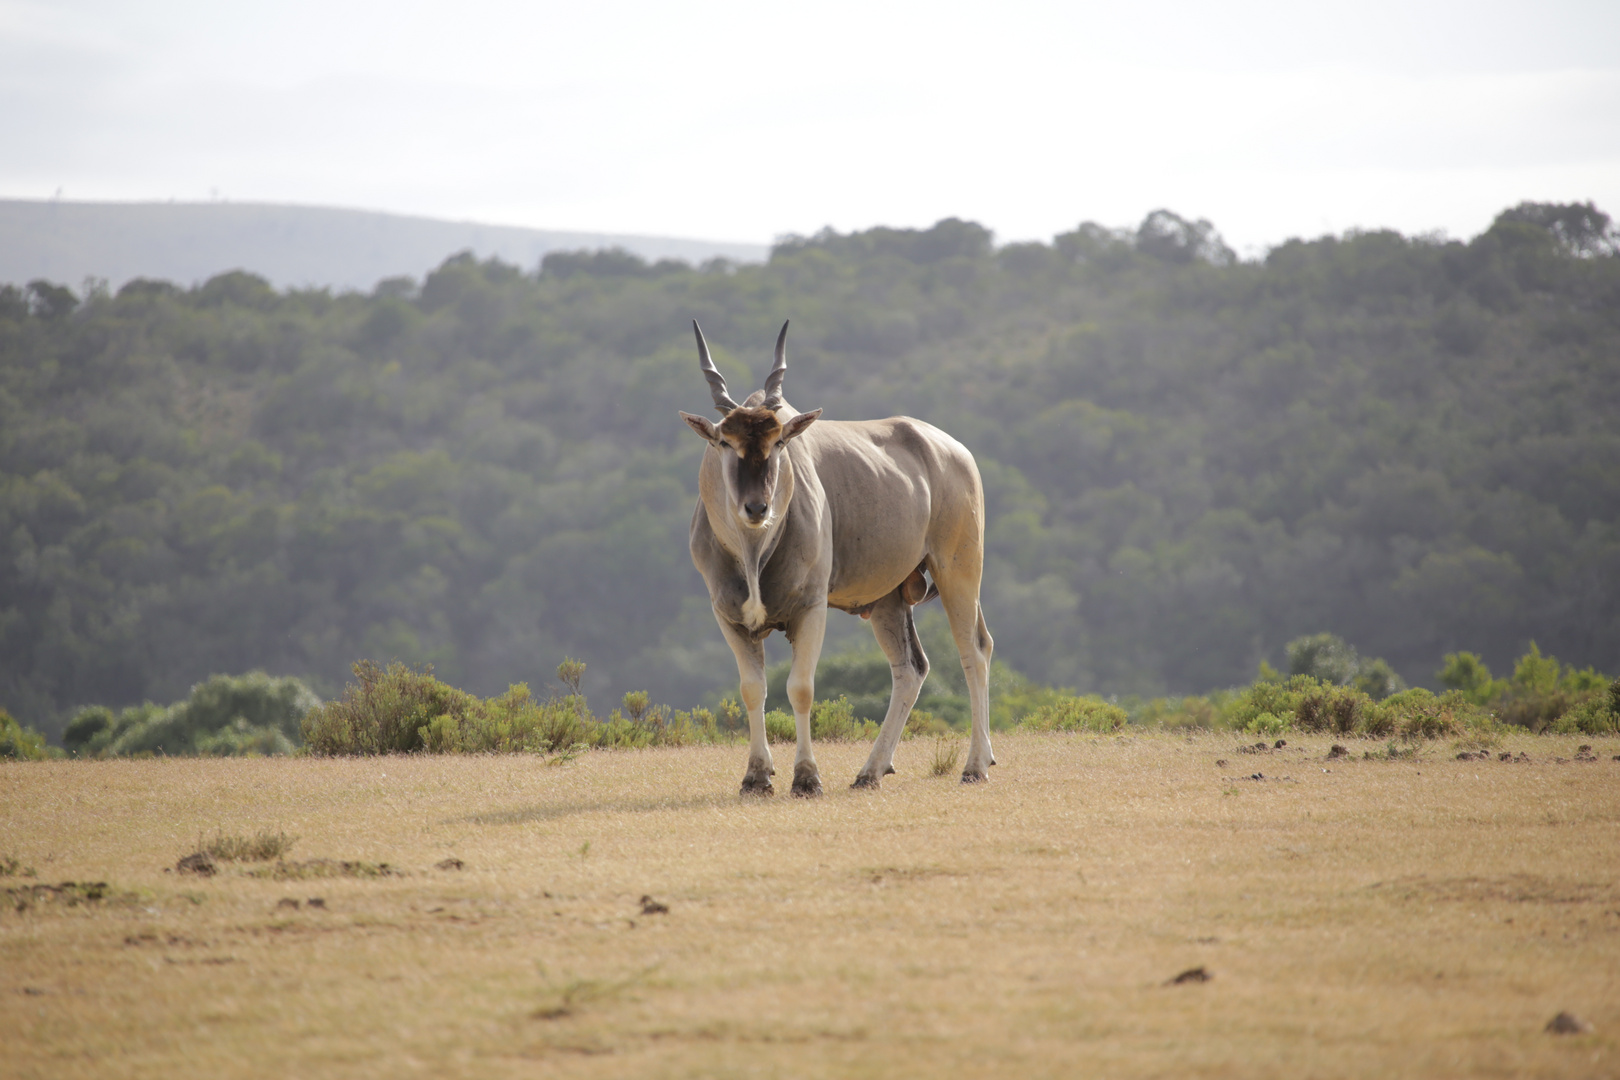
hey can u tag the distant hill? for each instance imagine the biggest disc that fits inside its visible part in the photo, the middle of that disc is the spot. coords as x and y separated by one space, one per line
292 246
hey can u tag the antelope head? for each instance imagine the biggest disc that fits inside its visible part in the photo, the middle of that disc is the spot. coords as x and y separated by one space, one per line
750 439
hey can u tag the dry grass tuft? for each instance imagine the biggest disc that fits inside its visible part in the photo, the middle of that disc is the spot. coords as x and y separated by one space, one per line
262 846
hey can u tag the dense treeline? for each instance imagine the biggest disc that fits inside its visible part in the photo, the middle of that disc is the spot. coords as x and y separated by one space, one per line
1190 459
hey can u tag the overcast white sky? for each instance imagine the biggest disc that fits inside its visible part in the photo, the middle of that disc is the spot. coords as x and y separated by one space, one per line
743 121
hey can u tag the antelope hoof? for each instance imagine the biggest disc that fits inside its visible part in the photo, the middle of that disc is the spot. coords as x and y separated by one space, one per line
867 780
757 784
975 778
888 770
806 781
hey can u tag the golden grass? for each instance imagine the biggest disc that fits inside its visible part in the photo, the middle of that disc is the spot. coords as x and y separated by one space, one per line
1420 917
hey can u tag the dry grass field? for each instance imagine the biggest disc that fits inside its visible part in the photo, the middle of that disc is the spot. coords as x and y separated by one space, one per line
1415 917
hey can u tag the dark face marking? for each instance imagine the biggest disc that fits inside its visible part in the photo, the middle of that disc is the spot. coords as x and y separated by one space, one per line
754 436
752 432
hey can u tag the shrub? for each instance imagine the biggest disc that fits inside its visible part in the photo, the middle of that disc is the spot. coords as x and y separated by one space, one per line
403 710
1594 716
921 722
1542 693
86 728
1187 712
1268 724
833 720
225 715
1338 710
1467 674
1377 680
1328 658
780 728
1277 698
511 723
1076 714
1418 714
390 711
242 739
20 743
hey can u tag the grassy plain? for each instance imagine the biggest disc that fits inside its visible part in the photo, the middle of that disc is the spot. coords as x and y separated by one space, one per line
1415 917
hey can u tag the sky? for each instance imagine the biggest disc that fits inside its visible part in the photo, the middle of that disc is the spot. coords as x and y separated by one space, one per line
748 121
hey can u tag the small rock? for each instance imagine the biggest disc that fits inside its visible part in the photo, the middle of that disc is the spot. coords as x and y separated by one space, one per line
1337 751
1192 975
287 902
1504 756
316 901
1567 1023
1222 761
1584 748
452 863
199 862
649 906
1258 776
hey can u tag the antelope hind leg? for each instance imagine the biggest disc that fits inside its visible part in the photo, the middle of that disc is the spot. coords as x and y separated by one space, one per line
896 634
975 646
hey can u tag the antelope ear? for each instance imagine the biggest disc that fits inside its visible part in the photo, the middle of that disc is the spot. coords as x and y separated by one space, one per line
796 426
702 426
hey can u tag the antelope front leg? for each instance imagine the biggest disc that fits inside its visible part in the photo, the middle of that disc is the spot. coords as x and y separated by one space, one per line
750 656
806 637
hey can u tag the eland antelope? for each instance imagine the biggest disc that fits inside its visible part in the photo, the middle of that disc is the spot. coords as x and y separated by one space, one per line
796 515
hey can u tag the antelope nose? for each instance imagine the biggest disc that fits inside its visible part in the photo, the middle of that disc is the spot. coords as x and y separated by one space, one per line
755 510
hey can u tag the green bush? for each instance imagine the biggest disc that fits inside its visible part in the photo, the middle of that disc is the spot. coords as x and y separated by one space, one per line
20 743
1337 710
1418 714
780 727
1186 712
1545 695
225 715
403 710
1326 657
394 710
1267 724
922 723
833 720
1329 659
1467 674
511 723
1597 715
1076 714
88 727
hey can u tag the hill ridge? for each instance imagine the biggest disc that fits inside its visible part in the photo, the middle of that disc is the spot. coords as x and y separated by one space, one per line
290 245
